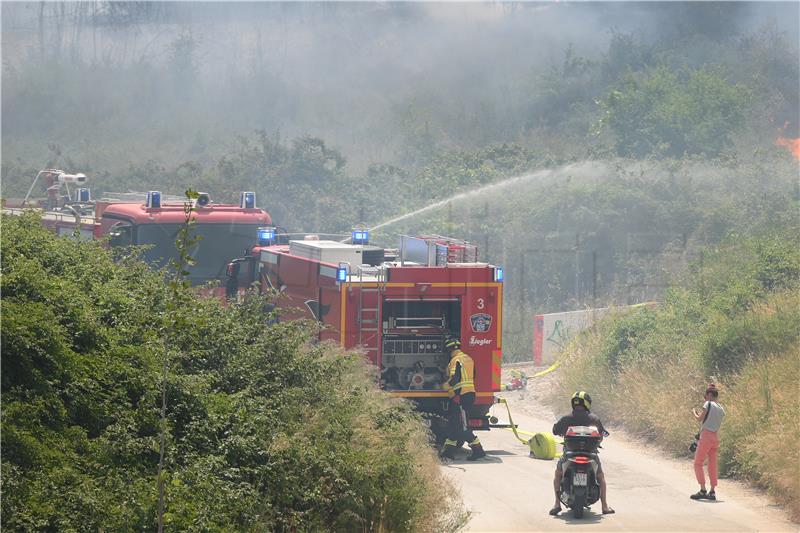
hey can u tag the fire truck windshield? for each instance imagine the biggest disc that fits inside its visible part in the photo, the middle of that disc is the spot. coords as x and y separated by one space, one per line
220 244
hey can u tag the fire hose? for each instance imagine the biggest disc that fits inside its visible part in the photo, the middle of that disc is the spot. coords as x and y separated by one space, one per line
542 445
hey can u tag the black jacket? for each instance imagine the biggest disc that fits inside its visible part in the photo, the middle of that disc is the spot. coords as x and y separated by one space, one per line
578 417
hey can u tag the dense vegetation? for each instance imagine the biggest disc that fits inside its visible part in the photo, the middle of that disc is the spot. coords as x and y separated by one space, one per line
733 319
266 431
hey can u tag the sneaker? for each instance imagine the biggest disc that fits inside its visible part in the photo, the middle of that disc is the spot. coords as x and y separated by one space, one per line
712 496
701 495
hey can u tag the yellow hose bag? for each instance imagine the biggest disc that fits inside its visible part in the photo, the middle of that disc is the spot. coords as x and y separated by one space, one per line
543 446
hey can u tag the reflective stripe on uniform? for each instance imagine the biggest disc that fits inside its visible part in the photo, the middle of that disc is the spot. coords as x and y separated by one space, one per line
467 383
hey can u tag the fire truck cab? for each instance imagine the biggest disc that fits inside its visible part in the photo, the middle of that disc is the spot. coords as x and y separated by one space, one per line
397 306
225 231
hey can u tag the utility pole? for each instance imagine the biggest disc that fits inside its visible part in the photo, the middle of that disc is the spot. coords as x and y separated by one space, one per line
594 278
577 268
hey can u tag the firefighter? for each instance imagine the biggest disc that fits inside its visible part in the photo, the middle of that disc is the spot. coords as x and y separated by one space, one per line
461 389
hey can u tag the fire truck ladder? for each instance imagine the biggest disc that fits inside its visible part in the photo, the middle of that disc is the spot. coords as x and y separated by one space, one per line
369 311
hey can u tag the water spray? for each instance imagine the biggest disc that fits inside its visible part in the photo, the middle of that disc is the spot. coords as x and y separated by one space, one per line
468 194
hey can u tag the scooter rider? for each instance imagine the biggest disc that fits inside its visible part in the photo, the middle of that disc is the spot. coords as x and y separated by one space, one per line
460 388
580 416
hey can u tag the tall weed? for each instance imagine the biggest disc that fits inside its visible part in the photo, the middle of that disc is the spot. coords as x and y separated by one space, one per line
737 323
761 432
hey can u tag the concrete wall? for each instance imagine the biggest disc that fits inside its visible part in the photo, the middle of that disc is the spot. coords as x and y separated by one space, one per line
552 331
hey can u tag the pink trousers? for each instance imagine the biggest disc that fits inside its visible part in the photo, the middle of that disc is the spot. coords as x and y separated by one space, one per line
706 448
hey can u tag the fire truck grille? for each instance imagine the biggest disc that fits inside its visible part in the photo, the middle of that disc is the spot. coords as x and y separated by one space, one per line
413 346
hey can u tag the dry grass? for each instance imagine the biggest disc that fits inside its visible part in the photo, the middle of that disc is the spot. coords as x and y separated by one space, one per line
762 427
652 398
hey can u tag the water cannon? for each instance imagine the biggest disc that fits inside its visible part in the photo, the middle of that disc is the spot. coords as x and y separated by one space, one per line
79 178
53 180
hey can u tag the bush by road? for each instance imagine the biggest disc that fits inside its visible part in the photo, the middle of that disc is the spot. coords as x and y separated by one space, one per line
266 430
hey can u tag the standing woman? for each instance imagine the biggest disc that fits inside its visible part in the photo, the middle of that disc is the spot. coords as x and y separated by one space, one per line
711 415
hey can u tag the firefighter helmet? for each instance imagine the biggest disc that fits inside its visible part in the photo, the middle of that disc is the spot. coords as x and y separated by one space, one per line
452 343
581 398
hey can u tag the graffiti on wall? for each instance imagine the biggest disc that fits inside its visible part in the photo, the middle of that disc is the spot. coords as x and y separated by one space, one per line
559 334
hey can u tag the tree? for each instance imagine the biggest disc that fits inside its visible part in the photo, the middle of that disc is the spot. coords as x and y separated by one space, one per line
662 112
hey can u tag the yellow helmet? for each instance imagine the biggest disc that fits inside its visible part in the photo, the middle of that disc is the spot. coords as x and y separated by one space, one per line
581 398
452 343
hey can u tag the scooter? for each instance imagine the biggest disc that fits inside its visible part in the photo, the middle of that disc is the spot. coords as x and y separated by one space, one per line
579 486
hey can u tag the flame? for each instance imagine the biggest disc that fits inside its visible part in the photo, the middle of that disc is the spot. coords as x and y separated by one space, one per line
792 144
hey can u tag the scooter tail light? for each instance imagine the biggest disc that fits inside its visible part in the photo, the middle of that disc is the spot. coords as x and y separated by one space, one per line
581 460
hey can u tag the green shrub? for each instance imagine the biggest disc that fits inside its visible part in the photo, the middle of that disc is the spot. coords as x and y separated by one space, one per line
731 342
266 429
670 113
622 341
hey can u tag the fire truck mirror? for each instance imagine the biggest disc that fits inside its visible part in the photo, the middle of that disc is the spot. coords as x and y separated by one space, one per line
233 269
232 284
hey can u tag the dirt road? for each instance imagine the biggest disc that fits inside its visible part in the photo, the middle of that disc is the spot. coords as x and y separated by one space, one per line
509 491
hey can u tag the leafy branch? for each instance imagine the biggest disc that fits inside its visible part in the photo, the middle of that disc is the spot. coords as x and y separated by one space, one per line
178 288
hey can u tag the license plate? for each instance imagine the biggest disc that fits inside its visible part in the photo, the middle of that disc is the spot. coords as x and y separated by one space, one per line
580 479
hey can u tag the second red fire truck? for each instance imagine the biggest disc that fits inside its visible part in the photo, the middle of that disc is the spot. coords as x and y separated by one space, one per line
150 220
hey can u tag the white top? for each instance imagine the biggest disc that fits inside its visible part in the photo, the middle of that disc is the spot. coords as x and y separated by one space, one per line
715 415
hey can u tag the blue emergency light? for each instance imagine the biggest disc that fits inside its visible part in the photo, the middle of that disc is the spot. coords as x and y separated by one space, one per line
360 236
498 274
266 236
83 195
153 199
247 200
341 274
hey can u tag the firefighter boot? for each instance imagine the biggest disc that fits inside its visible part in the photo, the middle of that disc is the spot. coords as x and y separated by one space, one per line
448 450
477 451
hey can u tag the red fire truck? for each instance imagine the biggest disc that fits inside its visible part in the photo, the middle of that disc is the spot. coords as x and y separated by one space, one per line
397 306
150 219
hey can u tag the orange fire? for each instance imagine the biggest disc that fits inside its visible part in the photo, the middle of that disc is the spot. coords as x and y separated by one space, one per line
792 144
